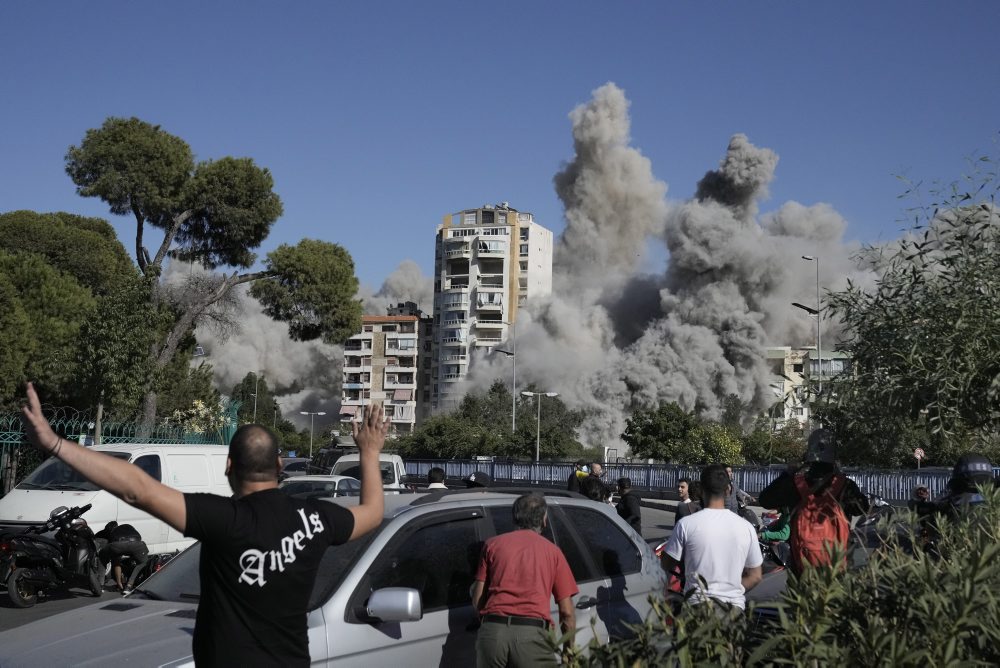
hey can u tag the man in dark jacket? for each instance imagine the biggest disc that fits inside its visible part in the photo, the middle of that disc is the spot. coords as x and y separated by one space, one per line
629 506
819 466
579 472
123 540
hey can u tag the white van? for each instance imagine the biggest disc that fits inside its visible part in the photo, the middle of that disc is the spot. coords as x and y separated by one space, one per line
189 468
392 467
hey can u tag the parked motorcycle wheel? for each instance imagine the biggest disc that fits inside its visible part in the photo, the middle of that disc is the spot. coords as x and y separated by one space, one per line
96 576
21 594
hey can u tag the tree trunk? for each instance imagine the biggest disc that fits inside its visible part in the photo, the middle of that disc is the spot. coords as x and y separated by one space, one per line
98 419
148 420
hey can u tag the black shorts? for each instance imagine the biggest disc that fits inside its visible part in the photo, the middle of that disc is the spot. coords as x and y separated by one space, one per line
136 549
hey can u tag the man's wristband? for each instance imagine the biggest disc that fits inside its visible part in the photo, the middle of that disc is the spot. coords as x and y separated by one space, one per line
56 447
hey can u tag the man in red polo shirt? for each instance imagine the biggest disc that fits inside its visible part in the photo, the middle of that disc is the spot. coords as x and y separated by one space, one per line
519 573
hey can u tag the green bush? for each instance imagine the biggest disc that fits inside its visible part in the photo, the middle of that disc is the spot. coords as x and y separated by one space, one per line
900 608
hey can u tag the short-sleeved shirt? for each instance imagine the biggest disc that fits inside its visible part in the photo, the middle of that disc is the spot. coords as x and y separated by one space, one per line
522 572
259 557
715 545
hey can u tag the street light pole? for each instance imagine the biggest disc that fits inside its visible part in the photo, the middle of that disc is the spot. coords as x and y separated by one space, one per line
256 385
538 425
819 341
312 421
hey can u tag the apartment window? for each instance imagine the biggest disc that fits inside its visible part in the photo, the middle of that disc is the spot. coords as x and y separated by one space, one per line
488 217
463 233
495 232
502 219
524 234
469 218
524 265
388 328
492 247
409 328
523 251
798 411
366 344
367 328
524 217
797 368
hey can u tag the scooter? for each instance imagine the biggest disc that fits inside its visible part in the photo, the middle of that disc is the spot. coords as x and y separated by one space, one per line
32 563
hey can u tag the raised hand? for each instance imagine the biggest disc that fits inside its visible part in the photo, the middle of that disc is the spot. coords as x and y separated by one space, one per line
36 426
370 433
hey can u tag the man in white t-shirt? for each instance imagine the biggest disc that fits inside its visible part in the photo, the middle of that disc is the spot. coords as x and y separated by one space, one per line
716 546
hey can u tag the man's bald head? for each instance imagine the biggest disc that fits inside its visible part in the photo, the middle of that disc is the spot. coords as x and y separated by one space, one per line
253 452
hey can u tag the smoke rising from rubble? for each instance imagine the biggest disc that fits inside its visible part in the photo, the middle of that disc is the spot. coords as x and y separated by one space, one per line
406 284
610 340
302 375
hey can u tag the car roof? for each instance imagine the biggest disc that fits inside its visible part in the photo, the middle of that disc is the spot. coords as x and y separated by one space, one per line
399 504
169 447
319 478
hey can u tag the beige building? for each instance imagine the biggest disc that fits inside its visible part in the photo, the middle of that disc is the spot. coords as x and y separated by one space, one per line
487 263
792 369
382 363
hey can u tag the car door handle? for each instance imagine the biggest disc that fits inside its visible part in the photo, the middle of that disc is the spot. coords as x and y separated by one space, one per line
586 602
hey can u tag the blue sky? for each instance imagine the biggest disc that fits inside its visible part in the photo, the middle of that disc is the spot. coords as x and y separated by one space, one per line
378 118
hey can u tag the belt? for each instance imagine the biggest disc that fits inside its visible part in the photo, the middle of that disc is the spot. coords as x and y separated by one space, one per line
516 621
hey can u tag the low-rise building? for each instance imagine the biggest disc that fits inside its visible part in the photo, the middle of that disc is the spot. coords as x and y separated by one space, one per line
793 370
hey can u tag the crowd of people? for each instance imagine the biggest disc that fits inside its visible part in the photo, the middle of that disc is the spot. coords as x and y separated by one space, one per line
252 609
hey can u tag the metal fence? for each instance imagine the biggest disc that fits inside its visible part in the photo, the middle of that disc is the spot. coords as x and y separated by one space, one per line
661 479
17 458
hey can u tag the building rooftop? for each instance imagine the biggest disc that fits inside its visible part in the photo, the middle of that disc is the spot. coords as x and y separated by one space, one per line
372 319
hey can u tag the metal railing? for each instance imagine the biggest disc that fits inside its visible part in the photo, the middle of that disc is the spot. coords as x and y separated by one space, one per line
661 479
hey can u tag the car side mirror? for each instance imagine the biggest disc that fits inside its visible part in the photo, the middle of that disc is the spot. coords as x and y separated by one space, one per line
395 604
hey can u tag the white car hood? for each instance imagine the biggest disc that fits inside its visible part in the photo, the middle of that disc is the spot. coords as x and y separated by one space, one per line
132 631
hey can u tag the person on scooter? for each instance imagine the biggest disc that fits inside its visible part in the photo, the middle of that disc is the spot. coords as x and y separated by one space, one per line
124 540
779 529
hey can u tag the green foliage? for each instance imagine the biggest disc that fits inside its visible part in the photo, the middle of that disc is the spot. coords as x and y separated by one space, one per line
312 289
900 608
135 167
661 433
233 207
480 425
180 384
56 306
924 338
764 445
15 331
113 351
268 412
85 248
711 442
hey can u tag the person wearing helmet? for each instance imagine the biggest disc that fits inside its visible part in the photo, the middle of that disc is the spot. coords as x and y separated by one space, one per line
972 472
819 466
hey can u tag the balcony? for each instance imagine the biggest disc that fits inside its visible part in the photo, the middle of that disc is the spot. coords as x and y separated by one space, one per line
458 251
491 280
355 386
454 321
489 340
460 285
452 376
458 357
491 249
455 304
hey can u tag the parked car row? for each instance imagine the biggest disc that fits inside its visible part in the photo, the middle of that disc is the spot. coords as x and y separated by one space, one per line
397 596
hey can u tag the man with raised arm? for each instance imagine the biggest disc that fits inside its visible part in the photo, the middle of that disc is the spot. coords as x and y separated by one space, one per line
260 549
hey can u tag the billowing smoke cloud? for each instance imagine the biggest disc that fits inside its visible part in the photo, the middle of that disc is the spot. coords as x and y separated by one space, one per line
406 284
304 376
611 340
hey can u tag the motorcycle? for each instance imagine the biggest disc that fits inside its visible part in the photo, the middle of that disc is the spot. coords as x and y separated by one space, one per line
32 563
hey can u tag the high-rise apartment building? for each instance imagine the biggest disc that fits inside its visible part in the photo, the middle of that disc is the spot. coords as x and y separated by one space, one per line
382 363
487 263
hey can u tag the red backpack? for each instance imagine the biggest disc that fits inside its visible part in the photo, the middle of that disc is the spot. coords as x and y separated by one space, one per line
818 523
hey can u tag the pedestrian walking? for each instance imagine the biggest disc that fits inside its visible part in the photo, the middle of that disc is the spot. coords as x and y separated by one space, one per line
519 574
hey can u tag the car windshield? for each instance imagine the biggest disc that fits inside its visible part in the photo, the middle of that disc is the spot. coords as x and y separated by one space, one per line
353 470
178 581
54 474
306 489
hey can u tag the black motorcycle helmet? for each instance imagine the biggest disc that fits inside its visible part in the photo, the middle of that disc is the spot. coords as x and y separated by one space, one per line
971 471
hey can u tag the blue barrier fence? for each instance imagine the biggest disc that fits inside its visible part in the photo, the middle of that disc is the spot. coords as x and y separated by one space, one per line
661 479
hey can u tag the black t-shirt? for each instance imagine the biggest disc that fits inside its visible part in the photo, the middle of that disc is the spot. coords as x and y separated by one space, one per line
782 492
258 563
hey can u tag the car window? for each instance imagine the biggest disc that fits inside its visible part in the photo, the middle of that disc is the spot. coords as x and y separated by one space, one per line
612 551
438 560
296 466
555 531
150 464
355 472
